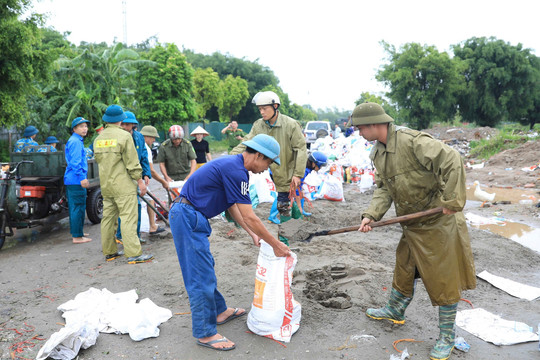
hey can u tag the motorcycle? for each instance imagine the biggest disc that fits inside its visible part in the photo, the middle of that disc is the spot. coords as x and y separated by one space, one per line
32 192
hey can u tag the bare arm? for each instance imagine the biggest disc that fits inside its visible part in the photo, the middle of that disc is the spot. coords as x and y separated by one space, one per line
237 216
192 169
164 172
156 176
256 226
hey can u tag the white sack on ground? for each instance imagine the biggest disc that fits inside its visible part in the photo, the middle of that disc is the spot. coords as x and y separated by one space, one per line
474 219
66 343
274 312
493 328
95 311
514 288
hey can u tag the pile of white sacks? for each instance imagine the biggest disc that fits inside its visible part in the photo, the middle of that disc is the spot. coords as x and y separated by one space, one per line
348 161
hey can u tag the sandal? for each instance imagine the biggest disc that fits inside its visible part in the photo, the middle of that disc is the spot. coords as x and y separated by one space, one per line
210 343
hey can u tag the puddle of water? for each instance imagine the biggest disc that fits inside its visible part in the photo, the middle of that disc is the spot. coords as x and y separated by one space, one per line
503 194
520 233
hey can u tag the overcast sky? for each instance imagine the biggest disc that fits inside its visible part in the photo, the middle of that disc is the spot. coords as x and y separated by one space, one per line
325 53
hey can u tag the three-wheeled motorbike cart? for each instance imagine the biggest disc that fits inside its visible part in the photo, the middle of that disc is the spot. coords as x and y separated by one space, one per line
32 191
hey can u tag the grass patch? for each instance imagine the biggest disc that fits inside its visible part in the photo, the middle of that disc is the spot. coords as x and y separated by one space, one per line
510 136
217 146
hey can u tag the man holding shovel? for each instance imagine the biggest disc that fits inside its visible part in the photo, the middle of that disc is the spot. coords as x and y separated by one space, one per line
417 173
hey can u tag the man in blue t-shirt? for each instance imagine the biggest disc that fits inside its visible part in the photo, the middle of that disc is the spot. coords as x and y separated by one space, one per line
219 185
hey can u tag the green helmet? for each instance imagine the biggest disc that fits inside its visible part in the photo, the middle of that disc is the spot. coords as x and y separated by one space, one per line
149 130
369 113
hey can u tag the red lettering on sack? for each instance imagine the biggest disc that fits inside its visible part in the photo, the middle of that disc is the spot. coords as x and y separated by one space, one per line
271 185
288 293
261 270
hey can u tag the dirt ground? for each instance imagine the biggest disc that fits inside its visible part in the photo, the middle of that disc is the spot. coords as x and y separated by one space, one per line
337 277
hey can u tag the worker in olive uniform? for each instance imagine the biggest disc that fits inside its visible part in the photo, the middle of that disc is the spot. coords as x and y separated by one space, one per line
293 154
129 124
176 156
416 173
119 173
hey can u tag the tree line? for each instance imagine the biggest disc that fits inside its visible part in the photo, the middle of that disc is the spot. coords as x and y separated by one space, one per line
47 81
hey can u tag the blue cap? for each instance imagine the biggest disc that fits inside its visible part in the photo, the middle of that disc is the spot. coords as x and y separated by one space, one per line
266 145
29 131
130 118
318 158
77 121
114 114
51 140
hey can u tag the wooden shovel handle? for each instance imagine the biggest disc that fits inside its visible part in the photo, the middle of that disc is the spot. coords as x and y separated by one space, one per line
398 219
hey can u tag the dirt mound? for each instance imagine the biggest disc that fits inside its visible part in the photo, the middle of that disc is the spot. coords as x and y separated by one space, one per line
448 133
504 169
524 155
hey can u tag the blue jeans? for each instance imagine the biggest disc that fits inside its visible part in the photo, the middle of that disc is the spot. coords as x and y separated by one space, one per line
119 233
190 231
76 196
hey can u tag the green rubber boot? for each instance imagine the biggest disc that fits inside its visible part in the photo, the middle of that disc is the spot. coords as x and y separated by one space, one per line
445 343
394 310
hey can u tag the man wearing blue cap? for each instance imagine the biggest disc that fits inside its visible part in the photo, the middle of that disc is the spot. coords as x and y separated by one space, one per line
129 124
219 185
29 135
51 142
75 179
119 173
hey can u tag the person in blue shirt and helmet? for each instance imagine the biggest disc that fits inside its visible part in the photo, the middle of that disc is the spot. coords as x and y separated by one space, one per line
316 160
51 142
29 135
221 184
75 179
129 124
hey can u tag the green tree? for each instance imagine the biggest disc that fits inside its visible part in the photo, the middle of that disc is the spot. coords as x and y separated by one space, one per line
301 113
423 82
235 93
207 89
501 81
86 84
22 62
164 95
257 76
388 108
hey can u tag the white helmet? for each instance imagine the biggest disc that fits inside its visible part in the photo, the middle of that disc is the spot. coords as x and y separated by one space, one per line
266 98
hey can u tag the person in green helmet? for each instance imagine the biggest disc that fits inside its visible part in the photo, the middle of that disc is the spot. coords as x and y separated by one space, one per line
416 172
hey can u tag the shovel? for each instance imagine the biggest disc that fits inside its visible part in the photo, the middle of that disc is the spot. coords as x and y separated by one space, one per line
398 219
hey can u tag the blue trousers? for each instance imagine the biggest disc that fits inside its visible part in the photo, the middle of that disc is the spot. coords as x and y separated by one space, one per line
76 196
190 230
119 233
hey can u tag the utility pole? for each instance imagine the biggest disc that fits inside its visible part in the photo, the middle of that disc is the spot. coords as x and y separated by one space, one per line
124 13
